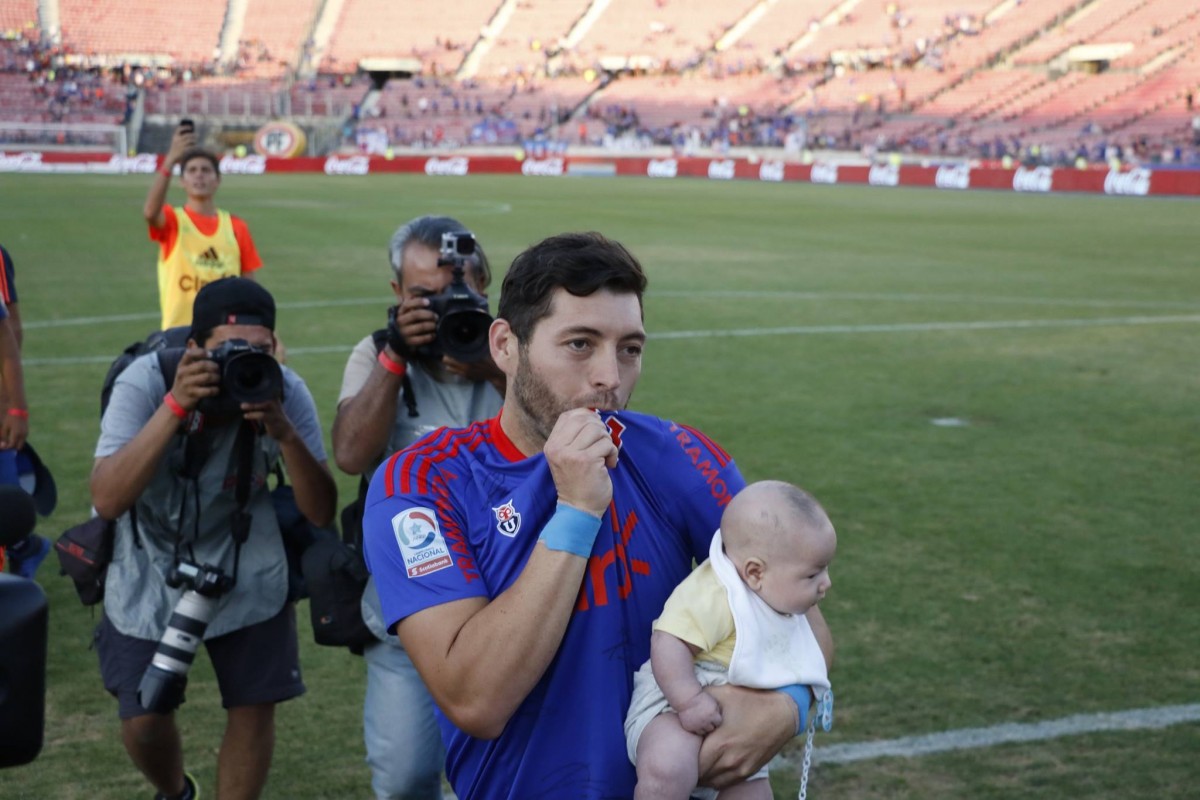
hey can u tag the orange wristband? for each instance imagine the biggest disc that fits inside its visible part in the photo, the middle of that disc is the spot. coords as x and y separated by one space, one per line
23 413
394 367
173 405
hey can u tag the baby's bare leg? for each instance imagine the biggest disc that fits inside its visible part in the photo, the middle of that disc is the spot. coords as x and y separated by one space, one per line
668 760
748 790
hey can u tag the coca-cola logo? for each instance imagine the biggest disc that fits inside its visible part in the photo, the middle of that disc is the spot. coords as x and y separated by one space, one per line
1135 182
143 163
1038 179
824 173
953 177
353 165
721 170
884 175
21 162
446 166
243 165
664 168
553 167
770 171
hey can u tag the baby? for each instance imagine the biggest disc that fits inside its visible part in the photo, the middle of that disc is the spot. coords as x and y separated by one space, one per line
767 566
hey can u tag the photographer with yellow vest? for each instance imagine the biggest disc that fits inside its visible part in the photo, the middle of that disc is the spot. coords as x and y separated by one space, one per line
201 245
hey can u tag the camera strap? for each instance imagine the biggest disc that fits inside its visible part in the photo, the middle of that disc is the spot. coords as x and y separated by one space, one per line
247 435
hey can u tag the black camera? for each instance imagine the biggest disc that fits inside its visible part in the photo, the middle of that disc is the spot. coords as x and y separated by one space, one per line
162 685
249 374
187 125
463 318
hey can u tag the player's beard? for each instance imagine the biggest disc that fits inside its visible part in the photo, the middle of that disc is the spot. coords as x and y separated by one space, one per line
542 407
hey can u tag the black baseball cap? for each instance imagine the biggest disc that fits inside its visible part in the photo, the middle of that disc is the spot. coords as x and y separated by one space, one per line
232 301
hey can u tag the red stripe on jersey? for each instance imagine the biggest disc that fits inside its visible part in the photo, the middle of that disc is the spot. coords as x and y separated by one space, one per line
718 452
412 452
469 438
444 444
500 439
5 291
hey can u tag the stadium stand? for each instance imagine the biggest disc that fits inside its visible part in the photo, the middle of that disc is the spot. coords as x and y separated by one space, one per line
924 76
273 36
189 33
388 29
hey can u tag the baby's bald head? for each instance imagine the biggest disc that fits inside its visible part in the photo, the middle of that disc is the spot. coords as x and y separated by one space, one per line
768 518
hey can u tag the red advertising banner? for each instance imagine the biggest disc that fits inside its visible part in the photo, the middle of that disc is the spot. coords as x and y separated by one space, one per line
1137 181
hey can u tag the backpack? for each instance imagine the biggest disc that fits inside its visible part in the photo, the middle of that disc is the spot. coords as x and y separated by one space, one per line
169 345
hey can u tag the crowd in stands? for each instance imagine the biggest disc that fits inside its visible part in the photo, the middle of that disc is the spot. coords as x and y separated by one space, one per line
860 79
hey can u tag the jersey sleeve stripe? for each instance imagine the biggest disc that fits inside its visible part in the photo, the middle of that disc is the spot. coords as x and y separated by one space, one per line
420 458
718 452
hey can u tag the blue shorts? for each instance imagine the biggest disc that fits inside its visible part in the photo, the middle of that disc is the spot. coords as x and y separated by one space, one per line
254 665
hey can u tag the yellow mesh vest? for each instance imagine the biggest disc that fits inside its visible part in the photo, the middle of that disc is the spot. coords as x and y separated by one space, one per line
195 260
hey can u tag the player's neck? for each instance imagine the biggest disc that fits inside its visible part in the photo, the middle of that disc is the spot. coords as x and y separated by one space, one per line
205 206
519 429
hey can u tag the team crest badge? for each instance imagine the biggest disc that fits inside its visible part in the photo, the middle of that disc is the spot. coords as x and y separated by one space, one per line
508 519
421 542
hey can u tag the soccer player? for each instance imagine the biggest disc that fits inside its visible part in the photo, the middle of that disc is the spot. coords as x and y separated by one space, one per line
521 560
200 245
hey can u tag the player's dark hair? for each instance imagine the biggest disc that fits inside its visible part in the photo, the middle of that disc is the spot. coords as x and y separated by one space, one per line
581 263
199 152
428 231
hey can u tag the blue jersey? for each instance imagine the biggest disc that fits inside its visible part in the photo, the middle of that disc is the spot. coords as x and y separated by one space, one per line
458 514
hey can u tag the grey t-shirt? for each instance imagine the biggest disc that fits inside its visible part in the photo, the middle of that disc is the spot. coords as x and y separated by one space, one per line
195 515
451 402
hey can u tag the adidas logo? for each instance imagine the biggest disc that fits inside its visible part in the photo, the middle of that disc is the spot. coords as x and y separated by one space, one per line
210 257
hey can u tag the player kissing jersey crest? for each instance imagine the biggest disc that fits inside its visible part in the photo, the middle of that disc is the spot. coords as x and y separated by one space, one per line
421 542
508 519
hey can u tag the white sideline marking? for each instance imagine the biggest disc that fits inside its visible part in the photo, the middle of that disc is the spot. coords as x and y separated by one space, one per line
908 327
914 297
971 738
903 297
900 327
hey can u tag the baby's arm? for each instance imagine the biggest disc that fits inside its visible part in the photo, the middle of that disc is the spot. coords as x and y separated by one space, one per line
671 660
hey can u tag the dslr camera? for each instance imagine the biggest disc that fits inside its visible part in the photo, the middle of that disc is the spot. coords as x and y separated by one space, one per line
463 318
162 685
249 374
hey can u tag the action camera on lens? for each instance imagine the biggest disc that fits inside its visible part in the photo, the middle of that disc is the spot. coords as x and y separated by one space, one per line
463 318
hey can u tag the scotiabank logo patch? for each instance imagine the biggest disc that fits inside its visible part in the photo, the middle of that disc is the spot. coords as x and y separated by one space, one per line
421 542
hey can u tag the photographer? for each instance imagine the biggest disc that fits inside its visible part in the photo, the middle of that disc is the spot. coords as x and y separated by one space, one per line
203 243
399 385
183 468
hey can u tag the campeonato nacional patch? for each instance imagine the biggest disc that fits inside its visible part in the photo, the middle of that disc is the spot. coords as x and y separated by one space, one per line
420 541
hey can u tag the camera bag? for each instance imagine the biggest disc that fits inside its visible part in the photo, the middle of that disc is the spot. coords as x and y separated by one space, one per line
336 575
83 553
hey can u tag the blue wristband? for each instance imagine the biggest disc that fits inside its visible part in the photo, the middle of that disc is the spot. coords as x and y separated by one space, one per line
803 698
571 530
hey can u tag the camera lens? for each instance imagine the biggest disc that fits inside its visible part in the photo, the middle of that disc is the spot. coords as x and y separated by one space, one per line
464 334
252 377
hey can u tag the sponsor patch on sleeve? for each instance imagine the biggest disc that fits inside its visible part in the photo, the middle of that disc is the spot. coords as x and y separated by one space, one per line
421 542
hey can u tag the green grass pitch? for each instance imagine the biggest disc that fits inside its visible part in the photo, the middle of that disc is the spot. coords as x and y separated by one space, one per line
995 396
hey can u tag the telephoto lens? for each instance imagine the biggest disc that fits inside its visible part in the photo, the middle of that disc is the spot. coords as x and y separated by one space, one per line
161 689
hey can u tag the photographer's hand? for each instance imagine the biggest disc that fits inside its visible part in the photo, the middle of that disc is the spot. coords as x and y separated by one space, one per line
270 415
198 377
316 492
411 325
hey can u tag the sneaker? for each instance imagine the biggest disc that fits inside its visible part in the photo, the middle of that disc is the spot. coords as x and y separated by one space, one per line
191 790
28 554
